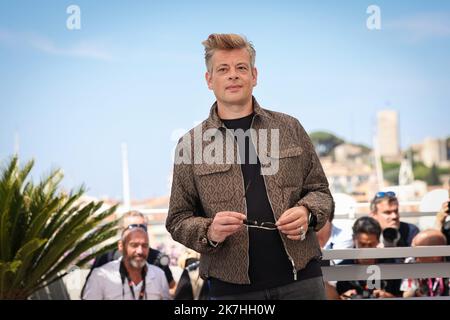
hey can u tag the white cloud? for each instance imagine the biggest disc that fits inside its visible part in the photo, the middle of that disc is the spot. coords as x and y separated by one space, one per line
46 45
422 26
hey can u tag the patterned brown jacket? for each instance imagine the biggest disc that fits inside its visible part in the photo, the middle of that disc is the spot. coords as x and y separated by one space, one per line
202 188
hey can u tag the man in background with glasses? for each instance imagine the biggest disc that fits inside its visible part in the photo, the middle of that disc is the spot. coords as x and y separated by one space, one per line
130 277
384 208
132 219
250 226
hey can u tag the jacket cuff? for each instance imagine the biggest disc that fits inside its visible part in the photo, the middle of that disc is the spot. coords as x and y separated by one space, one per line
208 244
315 221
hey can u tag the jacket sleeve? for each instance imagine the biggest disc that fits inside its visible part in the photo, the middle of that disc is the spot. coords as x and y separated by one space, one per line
315 194
184 221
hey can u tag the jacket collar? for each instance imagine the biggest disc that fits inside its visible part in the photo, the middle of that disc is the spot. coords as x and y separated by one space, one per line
215 121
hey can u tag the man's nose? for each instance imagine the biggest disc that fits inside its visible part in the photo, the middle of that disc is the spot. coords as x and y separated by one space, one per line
394 215
233 75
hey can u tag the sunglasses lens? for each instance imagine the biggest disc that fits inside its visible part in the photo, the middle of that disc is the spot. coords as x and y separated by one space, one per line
382 194
250 222
142 226
269 225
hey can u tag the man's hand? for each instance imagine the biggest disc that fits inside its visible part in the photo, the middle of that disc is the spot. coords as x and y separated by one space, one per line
378 293
348 294
442 215
225 223
292 220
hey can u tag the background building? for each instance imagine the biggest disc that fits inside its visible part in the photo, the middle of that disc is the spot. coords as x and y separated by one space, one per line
388 133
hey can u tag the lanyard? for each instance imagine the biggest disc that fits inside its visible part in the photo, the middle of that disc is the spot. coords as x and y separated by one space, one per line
432 286
124 275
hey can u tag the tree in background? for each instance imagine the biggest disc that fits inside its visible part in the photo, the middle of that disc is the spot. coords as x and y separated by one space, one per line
45 232
325 142
432 179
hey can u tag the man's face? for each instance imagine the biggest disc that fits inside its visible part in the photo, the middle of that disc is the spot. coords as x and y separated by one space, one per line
387 214
422 239
429 259
364 241
136 248
231 78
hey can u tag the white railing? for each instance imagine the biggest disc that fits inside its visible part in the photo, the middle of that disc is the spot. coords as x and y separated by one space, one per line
388 270
70 286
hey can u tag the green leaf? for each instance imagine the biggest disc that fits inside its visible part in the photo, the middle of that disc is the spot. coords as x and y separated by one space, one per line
44 231
25 255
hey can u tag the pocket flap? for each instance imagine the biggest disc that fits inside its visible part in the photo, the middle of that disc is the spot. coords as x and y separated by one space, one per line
287 153
205 169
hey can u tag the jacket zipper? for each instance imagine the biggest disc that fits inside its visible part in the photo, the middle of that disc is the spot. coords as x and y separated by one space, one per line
294 270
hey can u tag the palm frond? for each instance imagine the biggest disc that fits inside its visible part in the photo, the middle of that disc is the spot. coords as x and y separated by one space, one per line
43 231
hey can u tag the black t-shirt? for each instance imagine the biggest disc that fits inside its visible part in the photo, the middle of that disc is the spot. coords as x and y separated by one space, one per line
407 233
269 263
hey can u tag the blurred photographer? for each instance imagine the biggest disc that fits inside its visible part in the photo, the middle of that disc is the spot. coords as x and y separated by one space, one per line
384 208
130 277
332 237
190 285
129 220
427 287
366 234
442 222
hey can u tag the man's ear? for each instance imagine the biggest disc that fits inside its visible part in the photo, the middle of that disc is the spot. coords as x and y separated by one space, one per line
120 246
255 76
208 80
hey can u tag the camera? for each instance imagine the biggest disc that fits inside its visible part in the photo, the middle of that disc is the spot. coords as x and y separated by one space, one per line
362 292
162 260
364 295
391 236
446 231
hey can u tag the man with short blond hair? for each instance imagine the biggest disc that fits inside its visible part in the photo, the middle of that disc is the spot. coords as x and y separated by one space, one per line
247 209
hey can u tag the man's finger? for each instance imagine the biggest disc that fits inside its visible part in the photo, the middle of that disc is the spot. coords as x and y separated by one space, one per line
291 215
234 214
227 228
287 217
292 232
229 221
295 225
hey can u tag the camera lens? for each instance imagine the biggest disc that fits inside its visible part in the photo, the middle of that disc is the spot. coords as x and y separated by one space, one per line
390 234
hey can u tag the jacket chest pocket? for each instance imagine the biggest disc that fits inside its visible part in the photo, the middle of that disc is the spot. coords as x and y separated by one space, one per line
291 167
214 183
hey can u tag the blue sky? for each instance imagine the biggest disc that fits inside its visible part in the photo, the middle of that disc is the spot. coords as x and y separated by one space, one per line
134 73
